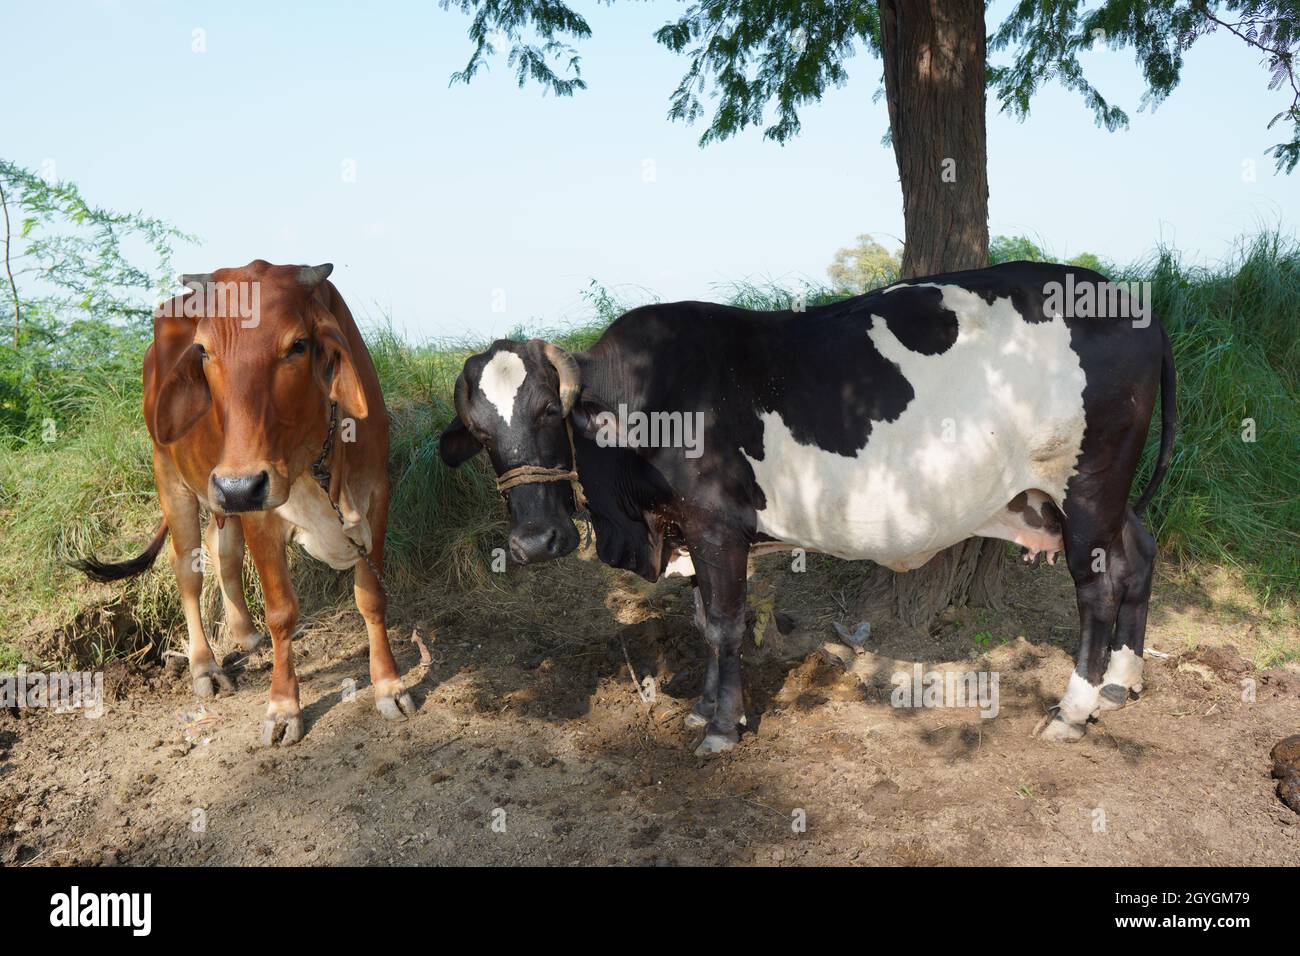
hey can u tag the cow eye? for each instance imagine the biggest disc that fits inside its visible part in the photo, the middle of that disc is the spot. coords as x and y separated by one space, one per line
203 353
298 347
552 410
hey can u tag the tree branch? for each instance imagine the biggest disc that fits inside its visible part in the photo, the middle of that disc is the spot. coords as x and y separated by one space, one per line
1281 56
13 286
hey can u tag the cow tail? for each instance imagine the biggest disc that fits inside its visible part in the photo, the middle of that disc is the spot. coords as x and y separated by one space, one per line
1168 417
104 572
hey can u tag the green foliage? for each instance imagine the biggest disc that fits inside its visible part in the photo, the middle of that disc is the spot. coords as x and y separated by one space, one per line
62 372
865 265
770 297
82 304
511 20
443 520
985 639
67 259
10 659
1047 36
1014 248
1088 260
1233 329
784 54
90 487
869 265
760 53
1225 501
1022 248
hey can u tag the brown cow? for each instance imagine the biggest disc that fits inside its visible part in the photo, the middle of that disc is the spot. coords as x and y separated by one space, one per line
258 391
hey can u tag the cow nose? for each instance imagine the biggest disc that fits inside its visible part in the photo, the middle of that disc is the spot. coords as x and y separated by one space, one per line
529 546
241 492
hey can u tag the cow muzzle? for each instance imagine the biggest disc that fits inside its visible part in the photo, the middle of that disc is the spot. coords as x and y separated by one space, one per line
235 493
532 543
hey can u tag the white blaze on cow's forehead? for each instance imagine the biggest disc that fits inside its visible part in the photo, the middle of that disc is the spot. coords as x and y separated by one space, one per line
999 412
500 382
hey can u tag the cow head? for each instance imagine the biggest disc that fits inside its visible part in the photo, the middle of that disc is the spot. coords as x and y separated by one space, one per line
513 400
266 358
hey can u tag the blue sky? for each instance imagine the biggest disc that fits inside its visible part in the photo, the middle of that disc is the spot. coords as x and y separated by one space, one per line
475 209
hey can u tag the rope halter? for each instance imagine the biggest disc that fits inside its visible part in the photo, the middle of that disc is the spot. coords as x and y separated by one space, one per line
570 377
535 474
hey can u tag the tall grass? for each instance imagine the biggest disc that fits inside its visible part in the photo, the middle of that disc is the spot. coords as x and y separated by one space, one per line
1225 501
442 519
88 488
1235 332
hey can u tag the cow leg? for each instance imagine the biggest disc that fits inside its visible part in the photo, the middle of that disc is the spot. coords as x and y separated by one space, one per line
265 535
391 698
704 708
1094 552
720 567
227 543
1124 672
181 509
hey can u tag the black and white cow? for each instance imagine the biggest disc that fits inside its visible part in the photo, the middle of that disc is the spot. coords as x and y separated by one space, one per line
887 427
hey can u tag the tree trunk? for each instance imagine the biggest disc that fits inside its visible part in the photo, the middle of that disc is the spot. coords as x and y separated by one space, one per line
935 61
935 65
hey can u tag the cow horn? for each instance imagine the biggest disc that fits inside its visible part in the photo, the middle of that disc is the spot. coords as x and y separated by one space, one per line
312 276
200 279
570 376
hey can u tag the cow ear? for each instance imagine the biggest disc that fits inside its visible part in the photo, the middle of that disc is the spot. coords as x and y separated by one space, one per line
456 445
183 397
335 371
586 413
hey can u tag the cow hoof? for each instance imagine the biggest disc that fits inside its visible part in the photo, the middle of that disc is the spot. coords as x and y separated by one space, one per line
1113 697
395 707
1059 730
206 684
716 742
284 729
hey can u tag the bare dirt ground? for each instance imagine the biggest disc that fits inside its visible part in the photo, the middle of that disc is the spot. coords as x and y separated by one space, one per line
531 745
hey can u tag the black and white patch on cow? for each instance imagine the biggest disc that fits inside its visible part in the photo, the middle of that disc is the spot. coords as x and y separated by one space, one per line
997 413
885 427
